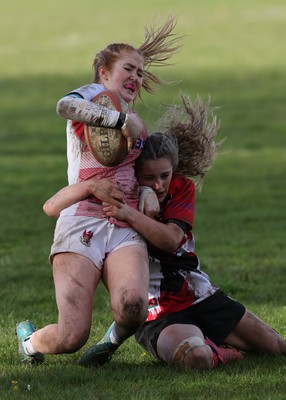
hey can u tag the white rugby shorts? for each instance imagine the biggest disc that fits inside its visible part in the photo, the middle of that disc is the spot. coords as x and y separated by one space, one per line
91 237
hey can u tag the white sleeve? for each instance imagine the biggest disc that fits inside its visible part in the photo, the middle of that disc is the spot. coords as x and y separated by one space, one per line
84 110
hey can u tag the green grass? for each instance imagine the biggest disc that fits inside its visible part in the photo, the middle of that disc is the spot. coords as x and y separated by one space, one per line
234 51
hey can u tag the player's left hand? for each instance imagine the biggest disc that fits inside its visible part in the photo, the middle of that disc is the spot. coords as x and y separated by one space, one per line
106 190
119 211
148 202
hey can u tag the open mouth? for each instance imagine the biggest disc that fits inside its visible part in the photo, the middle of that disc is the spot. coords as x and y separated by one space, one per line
130 87
160 195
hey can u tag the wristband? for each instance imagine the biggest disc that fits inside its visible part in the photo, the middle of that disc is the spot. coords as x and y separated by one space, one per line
125 122
121 121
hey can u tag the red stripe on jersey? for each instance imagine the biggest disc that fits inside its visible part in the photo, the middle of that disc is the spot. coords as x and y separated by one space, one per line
79 129
182 201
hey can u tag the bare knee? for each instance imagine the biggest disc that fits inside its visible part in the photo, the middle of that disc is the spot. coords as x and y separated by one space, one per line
132 311
190 356
277 346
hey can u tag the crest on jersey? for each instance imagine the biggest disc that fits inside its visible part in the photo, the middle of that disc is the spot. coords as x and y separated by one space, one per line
86 238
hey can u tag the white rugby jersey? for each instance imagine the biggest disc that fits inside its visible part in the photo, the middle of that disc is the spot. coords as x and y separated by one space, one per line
82 165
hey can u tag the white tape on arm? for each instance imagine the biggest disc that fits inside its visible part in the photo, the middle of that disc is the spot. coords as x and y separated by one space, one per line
77 109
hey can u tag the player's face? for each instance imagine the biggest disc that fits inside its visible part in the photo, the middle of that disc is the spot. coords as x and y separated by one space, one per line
157 174
125 76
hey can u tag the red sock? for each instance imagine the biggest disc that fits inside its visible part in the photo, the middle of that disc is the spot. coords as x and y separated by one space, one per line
223 355
216 356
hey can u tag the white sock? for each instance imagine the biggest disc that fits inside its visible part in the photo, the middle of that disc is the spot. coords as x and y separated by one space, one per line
114 338
28 347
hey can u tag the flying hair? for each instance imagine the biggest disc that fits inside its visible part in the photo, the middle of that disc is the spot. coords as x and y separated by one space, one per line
195 127
159 45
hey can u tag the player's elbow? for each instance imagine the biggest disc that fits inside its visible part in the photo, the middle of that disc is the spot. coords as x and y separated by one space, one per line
49 210
65 106
61 105
170 244
173 236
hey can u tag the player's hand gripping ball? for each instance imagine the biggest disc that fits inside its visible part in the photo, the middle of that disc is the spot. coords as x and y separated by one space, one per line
108 145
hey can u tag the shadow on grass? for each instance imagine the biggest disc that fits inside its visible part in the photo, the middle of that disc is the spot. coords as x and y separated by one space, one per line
148 380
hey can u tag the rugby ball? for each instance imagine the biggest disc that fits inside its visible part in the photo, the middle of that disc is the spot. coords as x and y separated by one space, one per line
108 145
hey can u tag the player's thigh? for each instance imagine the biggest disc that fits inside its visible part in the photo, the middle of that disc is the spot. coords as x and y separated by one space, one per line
126 273
76 278
252 334
172 336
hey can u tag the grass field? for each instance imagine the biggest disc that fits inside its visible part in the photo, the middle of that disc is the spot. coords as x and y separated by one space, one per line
234 51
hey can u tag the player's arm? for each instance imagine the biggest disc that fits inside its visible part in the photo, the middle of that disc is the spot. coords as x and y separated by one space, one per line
165 237
131 129
65 197
76 108
103 189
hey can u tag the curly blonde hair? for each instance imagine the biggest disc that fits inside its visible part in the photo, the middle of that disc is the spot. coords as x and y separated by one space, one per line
187 138
159 45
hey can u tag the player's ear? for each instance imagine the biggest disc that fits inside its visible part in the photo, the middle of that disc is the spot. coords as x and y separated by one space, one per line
103 73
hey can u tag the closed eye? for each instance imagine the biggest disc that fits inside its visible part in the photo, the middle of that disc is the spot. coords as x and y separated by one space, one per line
149 178
130 68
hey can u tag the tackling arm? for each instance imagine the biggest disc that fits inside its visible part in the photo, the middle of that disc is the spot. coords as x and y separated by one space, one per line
166 237
65 197
103 189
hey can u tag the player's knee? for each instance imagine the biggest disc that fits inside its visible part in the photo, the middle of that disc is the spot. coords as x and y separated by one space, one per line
274 344
278 345
200 358
133 310
192 353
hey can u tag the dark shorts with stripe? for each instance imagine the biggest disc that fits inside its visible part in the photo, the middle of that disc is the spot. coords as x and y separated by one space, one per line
215 316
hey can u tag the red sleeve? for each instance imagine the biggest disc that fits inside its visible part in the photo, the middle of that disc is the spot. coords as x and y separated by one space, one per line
182 201
79 129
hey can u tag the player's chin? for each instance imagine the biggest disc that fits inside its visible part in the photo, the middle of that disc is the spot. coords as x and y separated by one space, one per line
129 96
161 196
